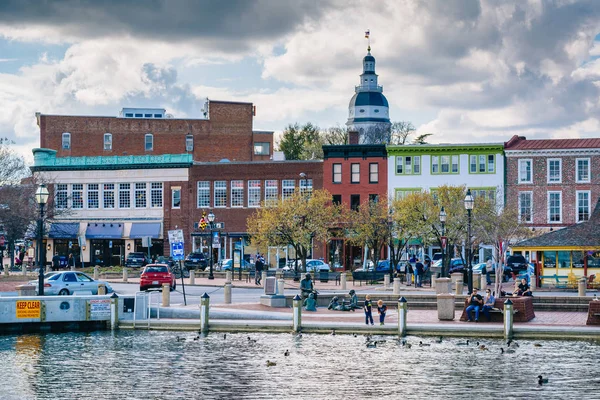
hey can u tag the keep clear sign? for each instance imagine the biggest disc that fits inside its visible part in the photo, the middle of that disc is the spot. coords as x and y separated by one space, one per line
99 309
29 308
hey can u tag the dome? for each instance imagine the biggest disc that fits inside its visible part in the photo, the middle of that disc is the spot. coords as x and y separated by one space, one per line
369 57
368 99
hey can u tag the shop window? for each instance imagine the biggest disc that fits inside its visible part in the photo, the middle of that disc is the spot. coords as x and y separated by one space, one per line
92 195
156 194
108 195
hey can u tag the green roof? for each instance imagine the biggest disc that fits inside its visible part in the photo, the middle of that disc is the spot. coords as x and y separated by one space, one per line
466 148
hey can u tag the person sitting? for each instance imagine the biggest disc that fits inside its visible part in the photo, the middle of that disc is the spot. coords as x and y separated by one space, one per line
353 300
333 303
310 303
523 289
307 287
488 304
475 302
337 306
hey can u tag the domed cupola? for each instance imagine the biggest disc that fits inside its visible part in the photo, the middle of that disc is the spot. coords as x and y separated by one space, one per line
368 109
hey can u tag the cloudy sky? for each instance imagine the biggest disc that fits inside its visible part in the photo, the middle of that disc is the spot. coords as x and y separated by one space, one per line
464 70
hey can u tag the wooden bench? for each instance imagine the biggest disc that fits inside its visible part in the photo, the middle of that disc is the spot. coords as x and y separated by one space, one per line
522 306
556 278
593 313
367 276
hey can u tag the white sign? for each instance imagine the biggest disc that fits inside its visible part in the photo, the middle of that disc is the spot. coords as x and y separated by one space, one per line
176 236
99 309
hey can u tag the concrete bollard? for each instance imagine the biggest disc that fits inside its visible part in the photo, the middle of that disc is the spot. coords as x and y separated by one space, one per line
279 274
228 276
581 287
508 319
264 278
386 281
397 283
443 286
192 277
101 289
5 272
125 274
402 311
532 282
96 272
25 290
445 306
458 288
204 308
280 286
166 295
456 276
227 293
483 282
297 303
343 280
114 311
24 269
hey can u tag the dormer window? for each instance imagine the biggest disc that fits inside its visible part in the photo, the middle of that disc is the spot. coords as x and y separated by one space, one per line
66 141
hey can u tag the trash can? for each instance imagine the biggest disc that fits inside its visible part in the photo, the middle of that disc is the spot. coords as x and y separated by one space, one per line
324 276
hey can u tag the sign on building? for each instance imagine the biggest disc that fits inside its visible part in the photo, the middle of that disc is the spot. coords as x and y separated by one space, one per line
29 308
176 235
99 309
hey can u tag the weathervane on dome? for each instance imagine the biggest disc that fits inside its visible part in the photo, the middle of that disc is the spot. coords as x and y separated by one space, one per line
367 36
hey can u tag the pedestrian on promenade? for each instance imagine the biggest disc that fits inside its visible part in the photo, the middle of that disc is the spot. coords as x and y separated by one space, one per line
368 310
381 310
258 270
419 270
475 302
488 304
409 274
489 268
71 260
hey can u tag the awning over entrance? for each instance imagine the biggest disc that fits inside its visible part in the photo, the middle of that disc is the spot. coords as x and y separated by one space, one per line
139 230
104 230
64 231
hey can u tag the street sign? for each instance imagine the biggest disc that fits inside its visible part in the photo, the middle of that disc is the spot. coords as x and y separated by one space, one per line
176 236
219 225
444 240
216 240
146 241
177 251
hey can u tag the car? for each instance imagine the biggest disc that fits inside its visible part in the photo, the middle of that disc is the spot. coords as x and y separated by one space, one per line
517 263
227 263
437 256
47 275
317 265
195 260
68 282
137 259
384 266
155 275
456 265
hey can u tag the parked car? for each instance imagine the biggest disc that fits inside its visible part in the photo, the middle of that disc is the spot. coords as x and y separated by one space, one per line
47 275
68 282
384 266
227 263
517 263
155 275
195 261
316 265
456 265
137 259
436 256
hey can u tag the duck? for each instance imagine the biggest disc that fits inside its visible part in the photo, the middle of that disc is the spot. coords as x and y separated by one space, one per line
271 363
354 335
463 343
197 338
371 345
180 339
224 336
421 344
507 351
439 340
333 332
542 380
408 345
286 353
482 347
251 340
537 345
514 344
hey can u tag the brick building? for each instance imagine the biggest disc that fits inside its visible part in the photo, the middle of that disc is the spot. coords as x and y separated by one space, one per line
553 182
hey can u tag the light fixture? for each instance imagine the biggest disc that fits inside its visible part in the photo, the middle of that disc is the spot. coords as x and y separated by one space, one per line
83 247
49 247
128 246
211 217
41 194
443 215
469 201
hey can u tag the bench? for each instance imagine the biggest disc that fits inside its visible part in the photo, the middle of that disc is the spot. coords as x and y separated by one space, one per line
522 306
593 313
367 276
558 284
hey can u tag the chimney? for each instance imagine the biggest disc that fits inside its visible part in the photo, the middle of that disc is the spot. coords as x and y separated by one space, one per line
353 137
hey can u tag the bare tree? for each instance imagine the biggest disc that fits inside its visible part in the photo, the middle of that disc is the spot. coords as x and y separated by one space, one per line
376 134
336 135
12 165
422 139
400 132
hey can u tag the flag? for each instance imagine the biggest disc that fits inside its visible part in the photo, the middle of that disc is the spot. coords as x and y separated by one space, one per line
367 33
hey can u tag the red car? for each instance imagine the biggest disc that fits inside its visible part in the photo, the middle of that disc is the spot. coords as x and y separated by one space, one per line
154 275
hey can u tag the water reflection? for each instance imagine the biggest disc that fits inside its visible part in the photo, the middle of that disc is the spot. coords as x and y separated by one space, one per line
155 365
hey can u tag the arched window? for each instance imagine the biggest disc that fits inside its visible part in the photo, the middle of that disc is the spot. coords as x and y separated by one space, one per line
66 141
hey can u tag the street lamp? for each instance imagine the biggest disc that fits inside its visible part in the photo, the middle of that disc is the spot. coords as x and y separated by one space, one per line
443 216
41 197
469 207
211 219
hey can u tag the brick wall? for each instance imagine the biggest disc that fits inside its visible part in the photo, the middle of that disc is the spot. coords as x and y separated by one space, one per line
363 188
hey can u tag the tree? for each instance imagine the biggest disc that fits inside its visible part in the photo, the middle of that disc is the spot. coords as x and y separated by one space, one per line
336 135
422 139
376 134
12 165
17 211
401 130
301 142
369 227
296 221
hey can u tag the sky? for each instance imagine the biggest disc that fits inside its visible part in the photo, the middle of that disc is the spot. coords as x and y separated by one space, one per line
463 70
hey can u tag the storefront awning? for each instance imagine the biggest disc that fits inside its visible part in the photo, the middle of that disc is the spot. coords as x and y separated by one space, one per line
64 231
139 230
104 230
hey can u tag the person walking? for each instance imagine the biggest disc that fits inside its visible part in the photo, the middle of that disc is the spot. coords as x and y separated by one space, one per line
419 269
489 268
409 274
381 310
368 310
258 270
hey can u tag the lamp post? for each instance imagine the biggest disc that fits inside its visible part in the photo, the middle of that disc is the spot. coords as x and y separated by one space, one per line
443 216
41 197
211 219
469 207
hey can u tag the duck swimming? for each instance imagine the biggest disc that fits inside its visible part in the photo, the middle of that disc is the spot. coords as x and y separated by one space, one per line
463 343
287 353
508 351
421 344
542 380
271 363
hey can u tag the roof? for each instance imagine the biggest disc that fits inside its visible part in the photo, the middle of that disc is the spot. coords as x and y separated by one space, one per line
522 143
354 151
582 235
368 99
369 57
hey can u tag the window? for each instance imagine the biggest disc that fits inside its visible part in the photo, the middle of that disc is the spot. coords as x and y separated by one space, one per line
554 170
92 195
373 173
482 164
147 115
149 142
444 164
237 193
435 165
108 195
254 193
140 195
220 194
139 115
373 198
525 206
489 193
288 187
306 186
554 207
128 115
525 171
337 173
262 149
583 205
156 194
336 199
455 164
66 141
355 176
62 196
77 195
189 143
583 170
203 194
176 197
402 193
408 165
107 141
271 192
491 163
124 195
157 115
354 201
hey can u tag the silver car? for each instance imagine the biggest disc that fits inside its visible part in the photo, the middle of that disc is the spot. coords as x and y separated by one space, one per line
68 282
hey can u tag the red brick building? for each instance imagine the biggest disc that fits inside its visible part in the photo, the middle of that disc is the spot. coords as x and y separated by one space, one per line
553 182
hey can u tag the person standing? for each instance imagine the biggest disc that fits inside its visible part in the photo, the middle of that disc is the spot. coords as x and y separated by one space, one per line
56 262
475 302
258 270
489 268
71 260
381 310
419 269
409 274
368 310
488 304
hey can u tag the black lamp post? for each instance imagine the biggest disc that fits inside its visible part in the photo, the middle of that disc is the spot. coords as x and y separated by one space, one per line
41 197
443 216
469 201
211 219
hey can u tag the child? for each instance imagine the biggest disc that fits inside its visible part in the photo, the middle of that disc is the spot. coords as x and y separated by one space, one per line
367 307
381 309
